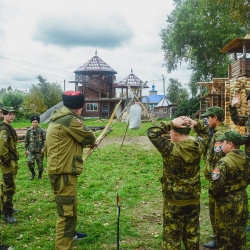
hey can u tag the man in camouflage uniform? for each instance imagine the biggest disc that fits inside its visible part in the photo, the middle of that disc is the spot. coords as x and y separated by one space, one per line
241 120
230 178
65 139
181 179
2 246
215 118
9 165
34 143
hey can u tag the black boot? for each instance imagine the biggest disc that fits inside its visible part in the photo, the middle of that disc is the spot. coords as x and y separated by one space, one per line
40 174
32 174
210 245
4 247
8 216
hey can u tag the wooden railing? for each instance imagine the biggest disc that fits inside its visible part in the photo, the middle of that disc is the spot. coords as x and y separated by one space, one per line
238 68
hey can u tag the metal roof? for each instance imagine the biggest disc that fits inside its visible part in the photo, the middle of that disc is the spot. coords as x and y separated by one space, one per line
132 80
95 64
236 45
164 103
152 99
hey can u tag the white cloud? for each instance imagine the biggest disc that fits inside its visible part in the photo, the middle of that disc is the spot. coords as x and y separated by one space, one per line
54 38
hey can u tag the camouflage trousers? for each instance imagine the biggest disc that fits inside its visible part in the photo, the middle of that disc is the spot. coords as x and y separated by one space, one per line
8 185
35 157
231 216
64 187
212 215
181 223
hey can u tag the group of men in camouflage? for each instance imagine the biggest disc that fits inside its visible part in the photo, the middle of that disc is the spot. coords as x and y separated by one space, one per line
227 169
66 137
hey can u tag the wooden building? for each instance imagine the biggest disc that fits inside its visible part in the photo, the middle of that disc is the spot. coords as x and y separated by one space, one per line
97 80
222 90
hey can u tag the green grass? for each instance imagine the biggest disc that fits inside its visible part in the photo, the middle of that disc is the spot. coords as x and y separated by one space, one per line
133 171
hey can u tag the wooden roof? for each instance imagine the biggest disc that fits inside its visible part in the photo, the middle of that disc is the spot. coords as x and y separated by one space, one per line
95 65
236 45
132 80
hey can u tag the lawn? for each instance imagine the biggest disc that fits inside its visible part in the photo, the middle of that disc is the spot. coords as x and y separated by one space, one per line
123 163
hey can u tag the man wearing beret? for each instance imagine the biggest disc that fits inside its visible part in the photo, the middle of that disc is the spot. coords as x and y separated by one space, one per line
34 143
181 179
65 139
230 178
215 119
9 162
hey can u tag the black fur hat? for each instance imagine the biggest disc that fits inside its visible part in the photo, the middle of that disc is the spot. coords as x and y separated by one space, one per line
73 99
35 118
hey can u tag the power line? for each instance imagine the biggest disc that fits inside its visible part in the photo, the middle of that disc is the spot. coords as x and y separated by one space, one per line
33 64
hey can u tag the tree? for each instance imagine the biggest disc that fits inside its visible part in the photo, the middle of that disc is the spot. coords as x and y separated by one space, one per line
175 91
239 10
34 101
196 32
52 92
42 96
13 98
188 107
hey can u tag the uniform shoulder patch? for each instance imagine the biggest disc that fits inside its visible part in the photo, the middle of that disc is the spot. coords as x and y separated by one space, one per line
217 146
215 174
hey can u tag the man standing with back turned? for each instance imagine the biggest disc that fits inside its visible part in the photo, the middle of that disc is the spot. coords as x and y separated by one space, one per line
181 179
65 139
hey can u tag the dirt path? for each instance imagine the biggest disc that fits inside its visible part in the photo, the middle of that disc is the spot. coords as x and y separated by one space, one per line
143 141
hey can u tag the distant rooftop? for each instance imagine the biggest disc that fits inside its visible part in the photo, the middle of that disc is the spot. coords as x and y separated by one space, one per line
152 99
95 64
132 80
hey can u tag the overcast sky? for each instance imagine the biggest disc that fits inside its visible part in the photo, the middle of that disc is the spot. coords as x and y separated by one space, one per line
52 38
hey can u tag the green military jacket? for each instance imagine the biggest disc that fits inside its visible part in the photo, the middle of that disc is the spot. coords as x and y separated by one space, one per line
181 163
241 120
34 140
8 143
214 149
230 175
65 139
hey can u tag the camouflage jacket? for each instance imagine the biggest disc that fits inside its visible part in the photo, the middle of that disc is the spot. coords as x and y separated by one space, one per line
241 120
8 143
214 149
231 174
34 140
181 162
65 139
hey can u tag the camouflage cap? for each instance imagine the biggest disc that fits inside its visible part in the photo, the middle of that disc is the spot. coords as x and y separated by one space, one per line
233 136
184 131
215 110
7 110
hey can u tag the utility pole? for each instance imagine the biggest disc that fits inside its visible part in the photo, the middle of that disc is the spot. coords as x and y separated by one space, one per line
163 79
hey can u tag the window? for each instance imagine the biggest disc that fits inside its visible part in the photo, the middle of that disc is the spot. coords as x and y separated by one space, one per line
165 110
92 107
